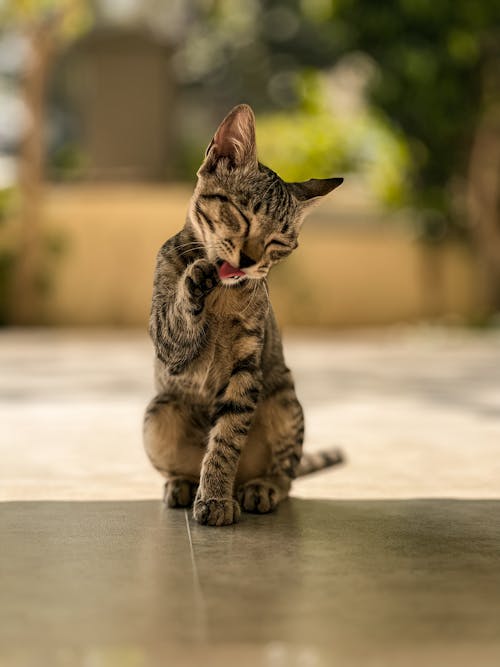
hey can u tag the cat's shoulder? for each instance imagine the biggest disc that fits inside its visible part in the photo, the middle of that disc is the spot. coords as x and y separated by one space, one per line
170 245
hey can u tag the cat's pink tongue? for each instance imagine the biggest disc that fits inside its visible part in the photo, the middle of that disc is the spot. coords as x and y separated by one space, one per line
228 271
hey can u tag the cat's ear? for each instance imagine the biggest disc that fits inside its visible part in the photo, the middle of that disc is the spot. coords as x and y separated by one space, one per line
314 188
234 139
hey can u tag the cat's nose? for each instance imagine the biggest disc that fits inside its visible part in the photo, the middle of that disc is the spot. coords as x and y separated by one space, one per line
246 261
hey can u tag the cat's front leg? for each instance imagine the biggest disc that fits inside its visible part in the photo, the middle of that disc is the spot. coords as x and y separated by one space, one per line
215 504
178 318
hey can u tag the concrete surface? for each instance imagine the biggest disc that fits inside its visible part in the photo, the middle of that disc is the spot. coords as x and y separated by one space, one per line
320 583
372 564
417 413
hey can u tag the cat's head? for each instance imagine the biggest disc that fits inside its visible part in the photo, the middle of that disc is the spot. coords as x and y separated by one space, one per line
247 217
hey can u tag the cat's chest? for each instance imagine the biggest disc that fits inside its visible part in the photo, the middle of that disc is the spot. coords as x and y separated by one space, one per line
213 367
226 302
232 312
235 327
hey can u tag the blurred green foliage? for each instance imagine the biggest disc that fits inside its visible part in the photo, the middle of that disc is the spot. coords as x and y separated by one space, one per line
67 162
430 84
431 59
430 70
313 141
72 16
432 56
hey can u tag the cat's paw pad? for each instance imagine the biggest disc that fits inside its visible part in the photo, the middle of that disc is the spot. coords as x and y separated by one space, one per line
216 511
202 278
258 496
179 492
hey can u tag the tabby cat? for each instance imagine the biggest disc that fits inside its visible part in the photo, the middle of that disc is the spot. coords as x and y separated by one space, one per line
226 428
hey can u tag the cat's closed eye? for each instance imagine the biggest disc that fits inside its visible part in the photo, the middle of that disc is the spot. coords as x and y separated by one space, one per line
278 242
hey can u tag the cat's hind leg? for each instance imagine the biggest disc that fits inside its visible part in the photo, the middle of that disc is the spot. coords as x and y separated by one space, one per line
180 492
174 439
262 495
279 426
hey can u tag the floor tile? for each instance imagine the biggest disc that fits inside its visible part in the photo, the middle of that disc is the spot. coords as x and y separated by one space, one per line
318 583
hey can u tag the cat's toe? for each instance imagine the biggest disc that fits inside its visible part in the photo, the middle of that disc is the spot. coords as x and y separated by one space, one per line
258 496
216 511
179 492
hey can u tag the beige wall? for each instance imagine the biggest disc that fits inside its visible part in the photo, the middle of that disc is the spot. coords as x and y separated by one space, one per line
340 276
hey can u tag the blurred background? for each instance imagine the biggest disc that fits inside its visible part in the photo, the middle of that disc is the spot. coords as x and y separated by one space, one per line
391 312
106 108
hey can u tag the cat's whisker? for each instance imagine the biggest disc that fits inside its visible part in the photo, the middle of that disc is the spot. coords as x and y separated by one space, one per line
183 245
186 252
195 244
193 249
251 299
266 288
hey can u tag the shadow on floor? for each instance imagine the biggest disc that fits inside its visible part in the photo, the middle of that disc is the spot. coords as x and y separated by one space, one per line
320 582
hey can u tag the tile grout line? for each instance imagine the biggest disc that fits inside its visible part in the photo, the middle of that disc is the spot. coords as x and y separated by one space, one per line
201 625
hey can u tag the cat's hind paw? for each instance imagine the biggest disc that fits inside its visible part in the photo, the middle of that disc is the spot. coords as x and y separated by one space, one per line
179 492
216 511
259 496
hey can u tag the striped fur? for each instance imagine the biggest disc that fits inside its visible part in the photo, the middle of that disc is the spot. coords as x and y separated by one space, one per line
225 427
315 461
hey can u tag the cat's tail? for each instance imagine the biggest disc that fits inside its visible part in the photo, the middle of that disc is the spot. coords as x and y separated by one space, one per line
316 461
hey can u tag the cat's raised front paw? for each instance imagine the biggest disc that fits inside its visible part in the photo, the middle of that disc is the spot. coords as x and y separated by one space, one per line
216 511
258 496
201 278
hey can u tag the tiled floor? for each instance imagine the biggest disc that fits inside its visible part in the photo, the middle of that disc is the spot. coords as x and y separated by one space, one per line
354 570
320 583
